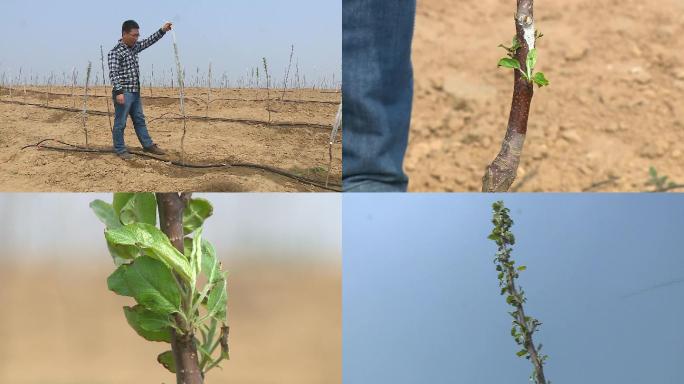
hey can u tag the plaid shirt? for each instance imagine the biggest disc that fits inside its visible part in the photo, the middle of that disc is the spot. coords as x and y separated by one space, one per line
124 71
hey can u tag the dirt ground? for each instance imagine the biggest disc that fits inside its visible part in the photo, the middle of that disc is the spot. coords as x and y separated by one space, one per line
60 325
613 108
296 141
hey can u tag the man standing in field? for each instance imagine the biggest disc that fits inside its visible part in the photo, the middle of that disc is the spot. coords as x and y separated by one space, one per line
124 74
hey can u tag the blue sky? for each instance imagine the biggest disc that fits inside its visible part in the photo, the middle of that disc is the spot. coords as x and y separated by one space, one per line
44 36
284 226
421 300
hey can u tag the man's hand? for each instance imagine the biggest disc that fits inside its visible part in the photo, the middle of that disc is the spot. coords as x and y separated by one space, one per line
167 27
120 99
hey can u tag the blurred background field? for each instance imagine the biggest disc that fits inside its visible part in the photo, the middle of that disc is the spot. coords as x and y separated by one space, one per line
60 324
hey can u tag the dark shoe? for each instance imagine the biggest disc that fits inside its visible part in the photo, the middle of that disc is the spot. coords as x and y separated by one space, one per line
154 149
125 156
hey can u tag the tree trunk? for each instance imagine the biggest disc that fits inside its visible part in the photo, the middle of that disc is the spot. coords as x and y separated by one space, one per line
501 173
171 206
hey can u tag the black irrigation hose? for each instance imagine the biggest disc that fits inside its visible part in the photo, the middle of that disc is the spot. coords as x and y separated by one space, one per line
277 100
201 118
76 148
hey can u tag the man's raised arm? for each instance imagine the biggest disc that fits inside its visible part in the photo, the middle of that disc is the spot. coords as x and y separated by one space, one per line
146 43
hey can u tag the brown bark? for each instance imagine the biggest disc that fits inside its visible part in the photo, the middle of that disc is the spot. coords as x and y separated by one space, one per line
501 173
171 206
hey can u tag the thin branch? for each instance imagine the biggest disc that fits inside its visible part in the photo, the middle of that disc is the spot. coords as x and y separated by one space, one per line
268 94
104 84
85 104
287 74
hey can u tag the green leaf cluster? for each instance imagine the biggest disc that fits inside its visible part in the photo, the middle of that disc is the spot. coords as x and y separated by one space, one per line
530 62
163 281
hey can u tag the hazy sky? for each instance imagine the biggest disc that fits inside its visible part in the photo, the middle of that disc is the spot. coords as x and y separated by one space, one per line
421 300
45 36
49 226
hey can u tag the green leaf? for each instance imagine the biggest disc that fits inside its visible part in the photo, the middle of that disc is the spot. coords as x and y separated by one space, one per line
539 79
652 172
195 213
509 63
203 351
217 301
211 332
116 282
166 359
138 208
514 43
210 264
153 240
521 353
522 268
187 247
512 300
149 325
121 253
153 286
196 253
105 212
531 60
120 199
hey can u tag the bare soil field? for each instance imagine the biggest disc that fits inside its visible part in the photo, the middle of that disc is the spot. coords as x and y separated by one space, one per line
614 107
236 132
60 325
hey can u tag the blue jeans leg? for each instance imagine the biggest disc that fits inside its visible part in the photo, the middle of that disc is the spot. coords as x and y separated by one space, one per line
120 116
377 93
139 122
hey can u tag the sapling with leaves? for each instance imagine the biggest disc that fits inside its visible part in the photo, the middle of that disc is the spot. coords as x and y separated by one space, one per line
524 326
173 275
522 58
